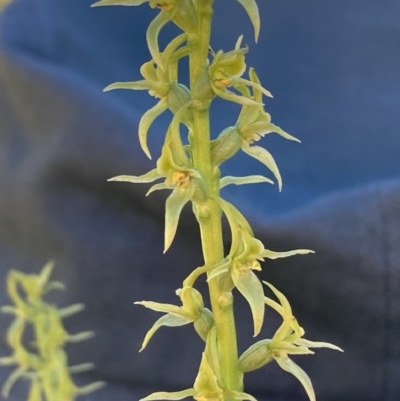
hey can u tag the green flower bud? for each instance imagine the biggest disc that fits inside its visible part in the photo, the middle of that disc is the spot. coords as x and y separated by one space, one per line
178 96
255 357
204 323
226 145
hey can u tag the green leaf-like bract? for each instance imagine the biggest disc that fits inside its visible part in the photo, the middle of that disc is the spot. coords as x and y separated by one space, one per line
251 8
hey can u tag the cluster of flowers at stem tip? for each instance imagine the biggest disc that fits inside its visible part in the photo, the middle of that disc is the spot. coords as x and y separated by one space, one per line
223 77
43 362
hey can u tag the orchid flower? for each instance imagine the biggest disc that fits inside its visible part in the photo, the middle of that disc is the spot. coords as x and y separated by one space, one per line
287 340
236 270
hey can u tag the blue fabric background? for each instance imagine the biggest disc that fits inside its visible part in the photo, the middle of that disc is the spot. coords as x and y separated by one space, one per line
334 70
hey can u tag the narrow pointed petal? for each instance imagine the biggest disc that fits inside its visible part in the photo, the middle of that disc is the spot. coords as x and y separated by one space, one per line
138 85
232 97
251 288
291 348
90 388
8 361
317 344
246 82
173 208
152 36
263 156
288 318
179 149
235 218
276 255
195 274
289 366
177 395
71 310
251 8
77 338
119 3
45 274
264 128
166 308
151 176
82 367
157 187
12 379
146 121
221 269
274 305
166 320
251 179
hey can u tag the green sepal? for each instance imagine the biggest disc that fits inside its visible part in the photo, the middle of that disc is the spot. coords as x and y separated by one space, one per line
263 128
236 222
256 356
263 156
146 121
166 308
119 3
168 320
251 248
173 208
151 176
286 314
289 366
195 274
222 268
159 88
251 288
291 348
276 255
192 300
11 380
172 46
157 187
177 395
81 368
232 97
174 134
90 388
251 8
251 179
316 344
152 34
245 82
70 310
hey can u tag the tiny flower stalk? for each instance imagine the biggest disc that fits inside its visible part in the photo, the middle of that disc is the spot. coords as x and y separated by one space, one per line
44 362
189 167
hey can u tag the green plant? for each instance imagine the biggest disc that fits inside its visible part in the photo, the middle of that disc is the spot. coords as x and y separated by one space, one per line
44 362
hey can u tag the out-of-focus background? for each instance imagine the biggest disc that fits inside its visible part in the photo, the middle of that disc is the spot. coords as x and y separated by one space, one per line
334 69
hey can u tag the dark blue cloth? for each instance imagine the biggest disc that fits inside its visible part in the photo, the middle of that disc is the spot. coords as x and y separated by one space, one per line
334 70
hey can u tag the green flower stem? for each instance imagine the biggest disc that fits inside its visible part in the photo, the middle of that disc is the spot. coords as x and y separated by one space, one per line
209 216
